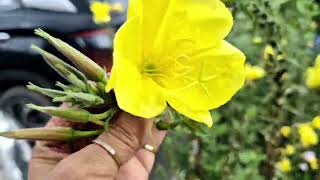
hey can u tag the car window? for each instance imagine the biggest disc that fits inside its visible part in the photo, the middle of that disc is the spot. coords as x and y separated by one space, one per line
8 5
52 5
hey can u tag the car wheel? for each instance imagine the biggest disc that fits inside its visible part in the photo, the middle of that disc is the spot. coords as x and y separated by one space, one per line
13 102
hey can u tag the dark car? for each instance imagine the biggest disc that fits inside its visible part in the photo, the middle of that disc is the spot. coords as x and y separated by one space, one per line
69 20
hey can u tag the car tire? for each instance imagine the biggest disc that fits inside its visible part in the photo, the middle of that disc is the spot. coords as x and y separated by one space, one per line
13 102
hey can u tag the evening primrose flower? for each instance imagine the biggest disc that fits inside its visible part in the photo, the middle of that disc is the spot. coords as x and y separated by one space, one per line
280 57
316 122
101 11
254 72
311 158
285 131
289 150
284 165
308 136
268 52
314 164
257 40
312 77
175 54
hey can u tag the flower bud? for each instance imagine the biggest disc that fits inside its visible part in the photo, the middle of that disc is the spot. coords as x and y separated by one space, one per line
86 99
73 114
50 134
72 78
48 92
92 70
54 61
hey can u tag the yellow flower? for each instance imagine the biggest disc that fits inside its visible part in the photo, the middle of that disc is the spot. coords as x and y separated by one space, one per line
289 150
285 131
314 164
316 122
280 57
308 136
175 54
254 72
317 62
312 75
101 11
285 77
257 40
284 165
268 52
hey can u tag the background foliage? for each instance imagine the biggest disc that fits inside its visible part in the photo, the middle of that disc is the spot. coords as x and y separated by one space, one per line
244 142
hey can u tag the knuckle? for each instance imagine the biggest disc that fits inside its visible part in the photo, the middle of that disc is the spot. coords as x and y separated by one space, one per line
125 134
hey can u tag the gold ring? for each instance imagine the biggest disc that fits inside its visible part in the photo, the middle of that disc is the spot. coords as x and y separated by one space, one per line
150 148
109 150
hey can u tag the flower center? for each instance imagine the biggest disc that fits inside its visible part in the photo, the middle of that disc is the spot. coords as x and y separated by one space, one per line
166 69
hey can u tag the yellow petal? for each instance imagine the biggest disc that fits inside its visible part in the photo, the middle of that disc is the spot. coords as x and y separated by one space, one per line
205 23
151 13
216 76
136 94
134 8
199 116
127 42
111 81
126 48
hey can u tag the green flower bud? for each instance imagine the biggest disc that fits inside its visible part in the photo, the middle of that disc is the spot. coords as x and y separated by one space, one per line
86 99
54 61
72 78
48 92
50 134
74 114
92 70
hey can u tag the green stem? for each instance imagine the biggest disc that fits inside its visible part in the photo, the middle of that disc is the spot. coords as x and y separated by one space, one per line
97 122
83 134
107 114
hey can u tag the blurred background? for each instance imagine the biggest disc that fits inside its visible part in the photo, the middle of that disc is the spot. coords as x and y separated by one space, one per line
255 136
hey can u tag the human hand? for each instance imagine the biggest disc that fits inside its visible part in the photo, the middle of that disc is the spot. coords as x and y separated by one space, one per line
84 160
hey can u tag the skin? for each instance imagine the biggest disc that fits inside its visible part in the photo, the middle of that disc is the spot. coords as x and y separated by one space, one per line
84 160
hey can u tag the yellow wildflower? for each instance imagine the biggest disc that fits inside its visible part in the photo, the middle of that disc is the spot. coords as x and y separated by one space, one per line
308 136
101 11
314 164
254 72
280 57
285 131
289 150
312 77
285 77
257 40
268 52
317 62
284 165
175 54
316 122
